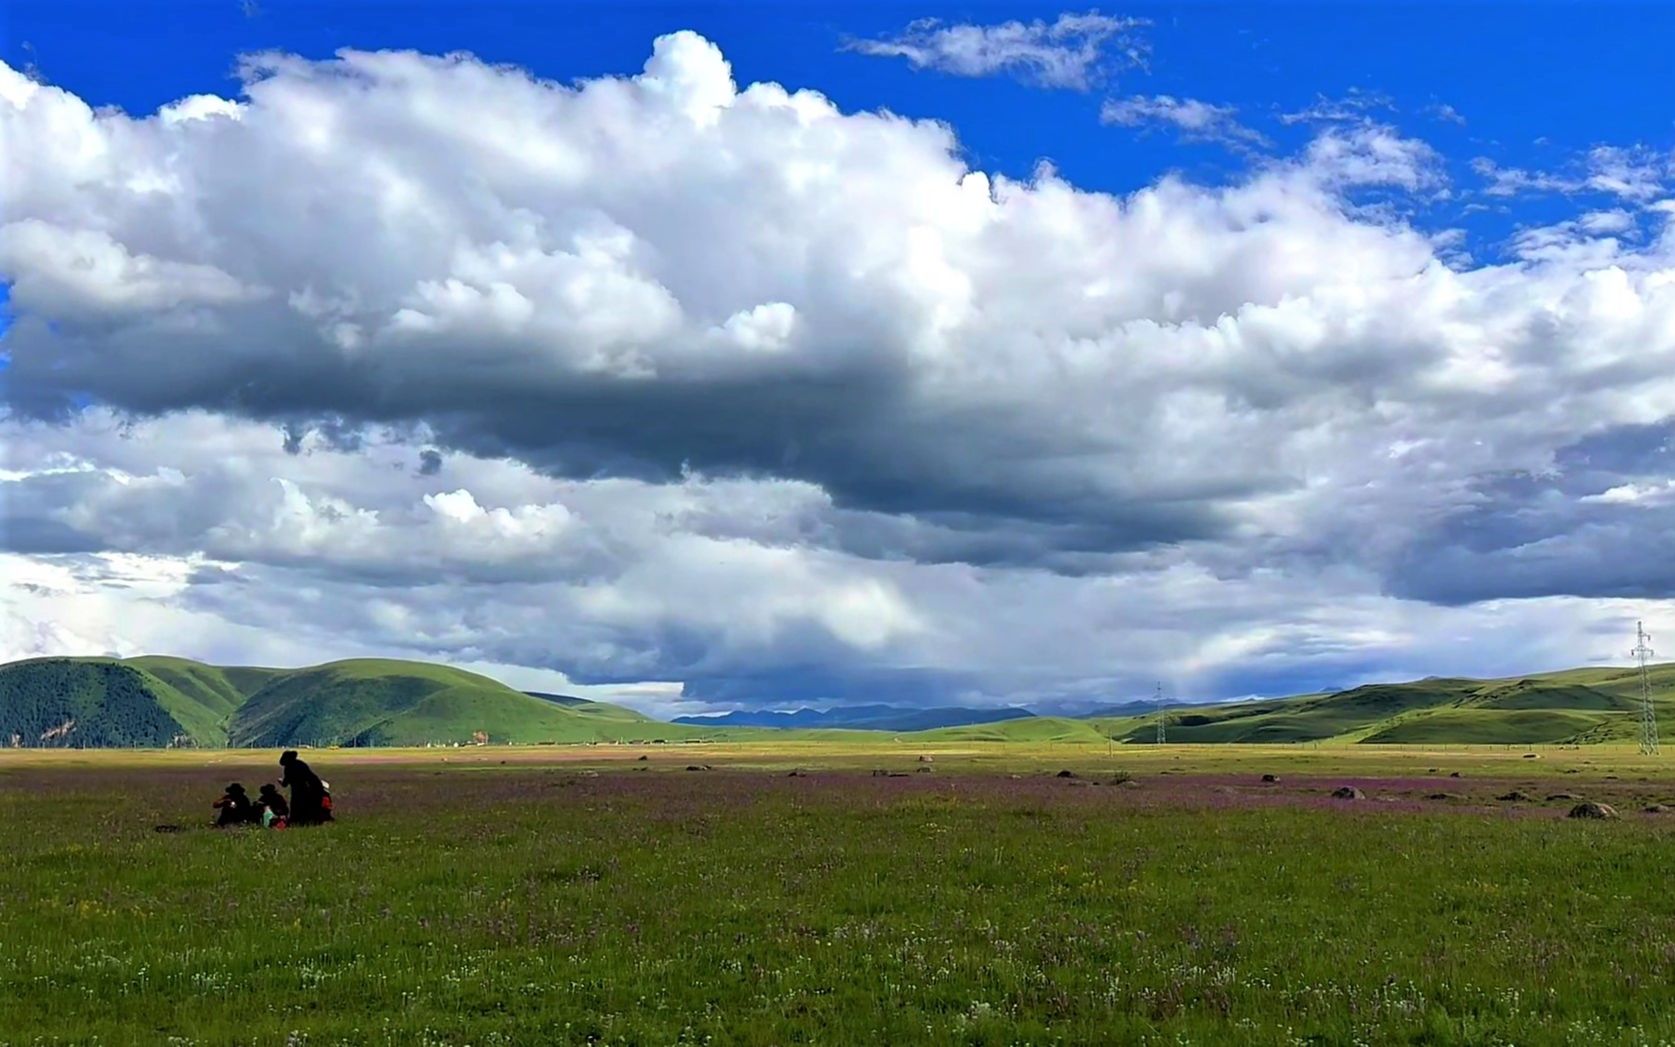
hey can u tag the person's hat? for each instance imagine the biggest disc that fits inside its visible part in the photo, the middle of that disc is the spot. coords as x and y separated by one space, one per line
235 788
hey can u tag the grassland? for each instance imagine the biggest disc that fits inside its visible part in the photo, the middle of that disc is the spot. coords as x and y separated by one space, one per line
582 894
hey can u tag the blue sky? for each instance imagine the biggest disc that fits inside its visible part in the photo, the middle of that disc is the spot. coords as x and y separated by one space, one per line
1536 84
1338 343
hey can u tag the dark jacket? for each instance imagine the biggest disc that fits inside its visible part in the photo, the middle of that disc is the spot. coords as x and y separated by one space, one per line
235 807
271 800
307 793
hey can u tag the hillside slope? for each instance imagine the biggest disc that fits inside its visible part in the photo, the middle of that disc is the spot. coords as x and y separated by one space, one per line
1036 729
380 702
1572 706
158 701
202 698
87 703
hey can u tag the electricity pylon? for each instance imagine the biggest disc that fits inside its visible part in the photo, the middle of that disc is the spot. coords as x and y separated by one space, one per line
1161 718
1648 719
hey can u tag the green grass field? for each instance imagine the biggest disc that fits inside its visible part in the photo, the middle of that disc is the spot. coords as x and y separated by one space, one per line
582 894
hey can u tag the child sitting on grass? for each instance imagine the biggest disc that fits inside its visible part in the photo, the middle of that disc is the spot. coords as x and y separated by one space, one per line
235 808
272 809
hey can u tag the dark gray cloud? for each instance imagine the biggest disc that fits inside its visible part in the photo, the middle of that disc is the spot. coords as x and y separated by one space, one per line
1601 523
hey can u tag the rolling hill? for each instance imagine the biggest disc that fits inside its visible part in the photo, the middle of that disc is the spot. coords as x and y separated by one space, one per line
1572 706
1034 729
86 702
158 702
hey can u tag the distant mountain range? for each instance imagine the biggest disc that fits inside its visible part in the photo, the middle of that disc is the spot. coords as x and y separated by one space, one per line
1138 707
859 717
159 702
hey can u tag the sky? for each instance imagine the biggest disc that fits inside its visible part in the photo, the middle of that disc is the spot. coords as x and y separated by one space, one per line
730 356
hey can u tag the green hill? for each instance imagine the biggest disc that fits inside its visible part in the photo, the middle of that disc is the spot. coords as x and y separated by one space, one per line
1465 726
375 702
86 702
157 701
202 698
1032 729
1573 706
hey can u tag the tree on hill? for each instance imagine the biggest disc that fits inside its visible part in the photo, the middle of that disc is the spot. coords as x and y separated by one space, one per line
65 703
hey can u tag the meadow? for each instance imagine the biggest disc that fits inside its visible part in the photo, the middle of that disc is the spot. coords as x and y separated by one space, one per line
584 894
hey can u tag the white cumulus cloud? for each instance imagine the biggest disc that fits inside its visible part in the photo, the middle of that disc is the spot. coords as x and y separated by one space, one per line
660 379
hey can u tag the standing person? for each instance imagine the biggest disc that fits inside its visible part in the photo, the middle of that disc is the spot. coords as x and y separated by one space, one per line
235 807
309 805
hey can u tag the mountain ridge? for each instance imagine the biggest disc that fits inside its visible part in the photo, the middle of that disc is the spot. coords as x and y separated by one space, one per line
159 701
875 717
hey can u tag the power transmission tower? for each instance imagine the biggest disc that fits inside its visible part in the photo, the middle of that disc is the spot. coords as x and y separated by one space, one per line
1648 719
1161 718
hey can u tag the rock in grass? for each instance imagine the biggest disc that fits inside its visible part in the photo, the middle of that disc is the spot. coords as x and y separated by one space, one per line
880 773
1271 779
1348 792
1126 783
643 757
1515 796
927 759
1065 774
1592 810
1655 808
1444 796
1532 756
798 773
1562 796
697 766
1453 774
924 770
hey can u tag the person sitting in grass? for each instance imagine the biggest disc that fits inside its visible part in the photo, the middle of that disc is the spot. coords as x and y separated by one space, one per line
310 803
271 808
235 807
